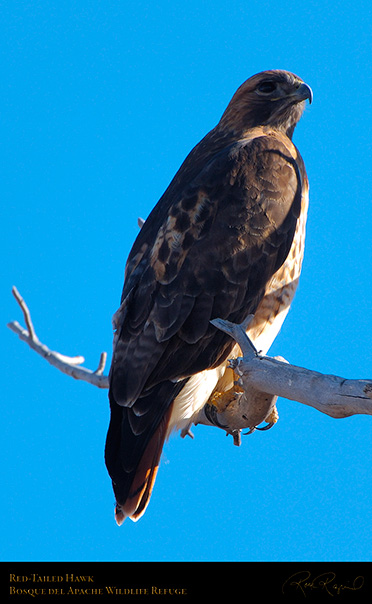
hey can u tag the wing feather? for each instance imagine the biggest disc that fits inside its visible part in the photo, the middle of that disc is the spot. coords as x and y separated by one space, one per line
220 242
208 250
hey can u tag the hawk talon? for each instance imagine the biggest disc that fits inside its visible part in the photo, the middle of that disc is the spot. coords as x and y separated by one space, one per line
267 427
211 414
250 431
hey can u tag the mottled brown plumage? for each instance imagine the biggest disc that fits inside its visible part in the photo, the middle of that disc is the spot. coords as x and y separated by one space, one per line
225 240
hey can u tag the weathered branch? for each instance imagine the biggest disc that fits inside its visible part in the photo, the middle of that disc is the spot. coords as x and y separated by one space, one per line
68 365
330 394
261 380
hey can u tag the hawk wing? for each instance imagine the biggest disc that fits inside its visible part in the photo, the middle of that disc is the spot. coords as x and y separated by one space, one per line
207 250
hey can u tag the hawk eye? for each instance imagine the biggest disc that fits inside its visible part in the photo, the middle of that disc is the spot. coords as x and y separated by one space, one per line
266 87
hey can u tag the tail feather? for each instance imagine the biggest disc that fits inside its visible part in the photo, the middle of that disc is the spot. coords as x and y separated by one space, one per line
134 444
143 483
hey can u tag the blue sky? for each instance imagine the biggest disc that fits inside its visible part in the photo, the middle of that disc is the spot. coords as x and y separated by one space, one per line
100 103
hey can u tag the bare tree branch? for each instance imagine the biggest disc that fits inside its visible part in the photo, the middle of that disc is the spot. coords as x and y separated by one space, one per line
68 365
330 394
261 380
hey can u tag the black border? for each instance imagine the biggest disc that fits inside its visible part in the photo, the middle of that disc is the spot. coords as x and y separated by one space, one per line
186 581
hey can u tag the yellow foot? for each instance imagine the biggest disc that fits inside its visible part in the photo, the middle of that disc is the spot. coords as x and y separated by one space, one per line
273 416
221 400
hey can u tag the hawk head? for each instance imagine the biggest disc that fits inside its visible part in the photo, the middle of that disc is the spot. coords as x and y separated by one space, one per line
272 98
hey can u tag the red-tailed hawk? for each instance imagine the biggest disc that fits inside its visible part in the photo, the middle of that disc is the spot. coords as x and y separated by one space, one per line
225 240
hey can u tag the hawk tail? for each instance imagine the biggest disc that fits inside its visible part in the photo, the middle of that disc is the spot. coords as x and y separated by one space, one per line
134 444
143 482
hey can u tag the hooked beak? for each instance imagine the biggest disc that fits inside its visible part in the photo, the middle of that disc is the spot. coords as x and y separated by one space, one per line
304 92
